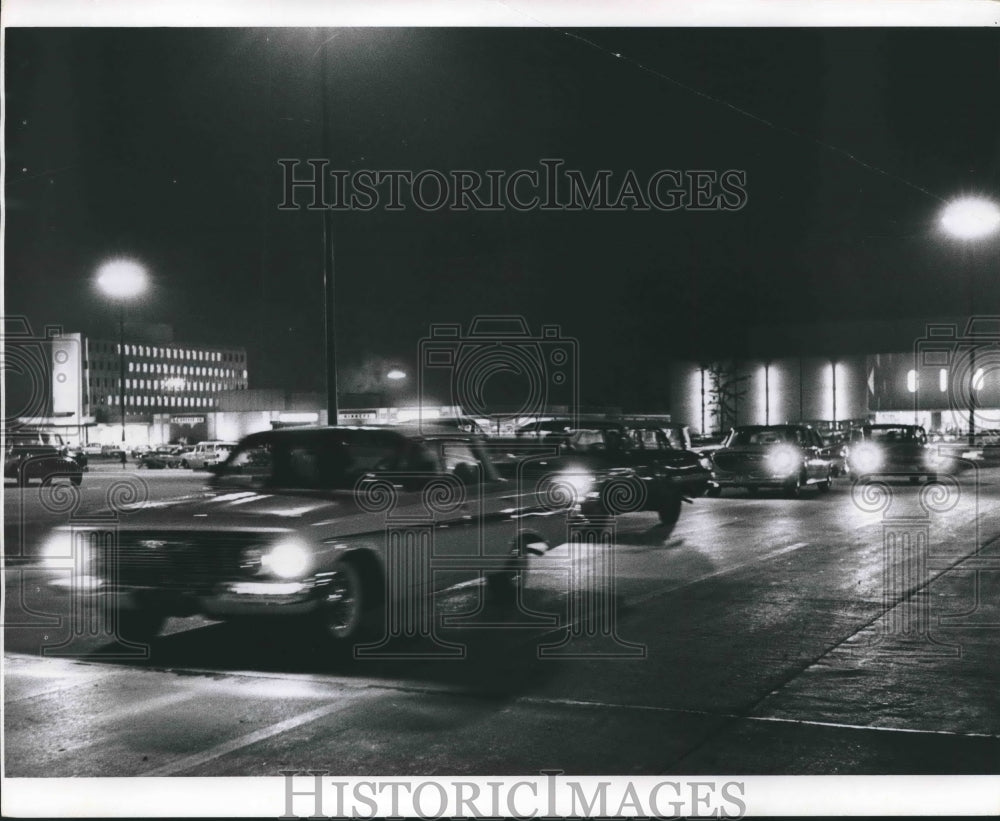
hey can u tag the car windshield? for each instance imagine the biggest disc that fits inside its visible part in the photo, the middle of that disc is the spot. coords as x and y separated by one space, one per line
760 436
894 434
324 460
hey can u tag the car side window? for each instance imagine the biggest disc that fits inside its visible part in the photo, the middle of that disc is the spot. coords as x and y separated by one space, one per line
253 465
461 461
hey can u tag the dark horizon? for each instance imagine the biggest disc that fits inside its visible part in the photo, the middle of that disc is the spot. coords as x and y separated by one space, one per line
164 144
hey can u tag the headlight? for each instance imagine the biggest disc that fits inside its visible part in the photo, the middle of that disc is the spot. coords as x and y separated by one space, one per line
57 550
866 458
705 462
783 459
287 559
581 483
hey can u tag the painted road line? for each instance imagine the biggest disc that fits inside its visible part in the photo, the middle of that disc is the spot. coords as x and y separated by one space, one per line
196 760
651 708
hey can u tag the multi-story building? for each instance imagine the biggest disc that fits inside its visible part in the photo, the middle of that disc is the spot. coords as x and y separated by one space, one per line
179 381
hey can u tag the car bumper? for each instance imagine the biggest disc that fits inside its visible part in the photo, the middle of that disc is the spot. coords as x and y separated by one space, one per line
236 598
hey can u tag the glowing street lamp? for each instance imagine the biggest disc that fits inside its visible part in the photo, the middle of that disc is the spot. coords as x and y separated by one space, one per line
122 280
971 218
395 375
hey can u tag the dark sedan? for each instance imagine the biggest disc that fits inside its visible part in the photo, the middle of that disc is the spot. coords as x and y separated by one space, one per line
782 457
328 530
887 449
40 457
613 466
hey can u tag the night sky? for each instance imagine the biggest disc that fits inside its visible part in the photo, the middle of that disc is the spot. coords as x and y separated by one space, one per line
163 144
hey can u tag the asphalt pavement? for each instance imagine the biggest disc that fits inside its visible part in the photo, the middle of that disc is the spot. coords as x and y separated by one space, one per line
853 632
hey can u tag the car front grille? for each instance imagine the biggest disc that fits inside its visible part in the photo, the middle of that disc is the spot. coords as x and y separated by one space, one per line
741 462
183 561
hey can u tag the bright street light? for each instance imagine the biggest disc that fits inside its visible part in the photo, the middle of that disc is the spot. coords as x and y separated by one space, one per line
395 374
122 280
970 217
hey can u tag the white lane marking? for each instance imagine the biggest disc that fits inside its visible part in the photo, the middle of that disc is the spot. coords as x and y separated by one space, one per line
600 705
191 761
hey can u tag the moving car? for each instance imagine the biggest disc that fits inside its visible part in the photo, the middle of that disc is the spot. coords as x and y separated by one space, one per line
206 454
888 449
297 525
613 466
168 456
42 456
785 457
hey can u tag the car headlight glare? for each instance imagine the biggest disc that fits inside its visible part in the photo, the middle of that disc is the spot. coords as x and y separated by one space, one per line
866 458
287 559
579 483
783 459
57 550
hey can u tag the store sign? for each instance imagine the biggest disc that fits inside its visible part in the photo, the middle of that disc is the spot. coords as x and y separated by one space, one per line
187 420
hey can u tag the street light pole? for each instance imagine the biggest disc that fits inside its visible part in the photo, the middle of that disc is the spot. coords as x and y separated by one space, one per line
971 218
121 367
121 280
330 315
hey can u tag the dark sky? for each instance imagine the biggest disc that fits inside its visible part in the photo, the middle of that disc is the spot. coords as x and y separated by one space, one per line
163 144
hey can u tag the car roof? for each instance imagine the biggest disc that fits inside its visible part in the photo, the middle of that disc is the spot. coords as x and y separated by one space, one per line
786 426
416 431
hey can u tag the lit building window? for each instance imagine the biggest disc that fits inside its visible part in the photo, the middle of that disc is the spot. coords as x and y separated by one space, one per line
911 381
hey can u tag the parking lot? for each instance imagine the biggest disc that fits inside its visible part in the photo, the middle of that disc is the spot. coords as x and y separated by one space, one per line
849 632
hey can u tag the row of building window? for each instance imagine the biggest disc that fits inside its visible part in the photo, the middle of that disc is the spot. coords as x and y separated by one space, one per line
184 370
165 384
913 380
169 353
153 402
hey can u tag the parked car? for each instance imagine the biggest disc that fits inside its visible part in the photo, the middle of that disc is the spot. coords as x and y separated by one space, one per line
296 525
206 454
600 455
41 456
163 457
785 457
887 449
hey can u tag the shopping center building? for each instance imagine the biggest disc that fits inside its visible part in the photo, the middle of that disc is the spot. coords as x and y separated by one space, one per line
929 373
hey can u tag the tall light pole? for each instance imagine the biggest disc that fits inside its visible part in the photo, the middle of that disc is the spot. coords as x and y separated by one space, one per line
969 219
122 280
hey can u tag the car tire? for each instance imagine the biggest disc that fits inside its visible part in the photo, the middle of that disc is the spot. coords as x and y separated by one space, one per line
184 464
670 512
349 611
140 626
502 586
826 484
